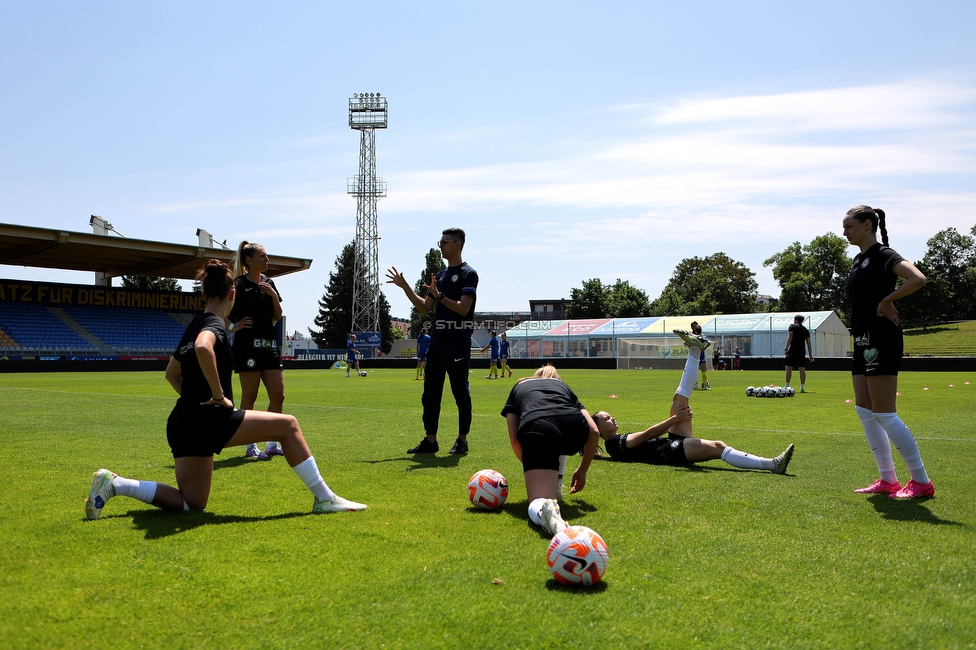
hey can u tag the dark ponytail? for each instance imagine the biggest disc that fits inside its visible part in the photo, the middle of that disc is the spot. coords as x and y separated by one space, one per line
216 280
881 226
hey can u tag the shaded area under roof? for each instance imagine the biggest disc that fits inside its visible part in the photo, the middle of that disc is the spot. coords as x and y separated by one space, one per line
116 256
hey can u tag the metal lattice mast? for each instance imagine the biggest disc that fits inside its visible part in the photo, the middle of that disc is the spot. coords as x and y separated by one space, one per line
367 112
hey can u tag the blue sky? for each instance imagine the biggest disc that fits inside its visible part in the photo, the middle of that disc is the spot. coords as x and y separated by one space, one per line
570 140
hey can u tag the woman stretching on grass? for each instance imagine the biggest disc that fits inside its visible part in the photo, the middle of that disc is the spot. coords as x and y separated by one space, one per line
878 348
204 420
681 448
546 423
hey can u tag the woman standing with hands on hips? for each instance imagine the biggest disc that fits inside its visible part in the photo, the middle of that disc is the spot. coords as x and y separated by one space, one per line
878 347
204 421
256 355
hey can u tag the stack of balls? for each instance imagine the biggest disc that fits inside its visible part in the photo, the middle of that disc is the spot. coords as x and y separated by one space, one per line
576 555
770 391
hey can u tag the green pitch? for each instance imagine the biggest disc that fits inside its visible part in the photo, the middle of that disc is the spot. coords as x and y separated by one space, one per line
703 557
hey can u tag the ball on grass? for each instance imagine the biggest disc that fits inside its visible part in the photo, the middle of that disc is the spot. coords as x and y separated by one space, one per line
577 556
487 489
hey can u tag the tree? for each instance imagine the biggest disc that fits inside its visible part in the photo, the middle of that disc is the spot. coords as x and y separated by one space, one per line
150 284
813 277
590 301
951 261
716 284
434 264
627 301
335 307
933 303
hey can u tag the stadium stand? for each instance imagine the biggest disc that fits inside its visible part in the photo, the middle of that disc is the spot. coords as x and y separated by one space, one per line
129 329
30 326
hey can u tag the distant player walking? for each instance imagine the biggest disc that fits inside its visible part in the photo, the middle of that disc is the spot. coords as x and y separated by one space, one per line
797 344
423 343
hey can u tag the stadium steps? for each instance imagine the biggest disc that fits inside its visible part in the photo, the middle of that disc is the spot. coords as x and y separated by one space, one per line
92 340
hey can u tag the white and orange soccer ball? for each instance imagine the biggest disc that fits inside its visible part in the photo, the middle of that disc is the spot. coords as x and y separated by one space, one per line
577 556
488 489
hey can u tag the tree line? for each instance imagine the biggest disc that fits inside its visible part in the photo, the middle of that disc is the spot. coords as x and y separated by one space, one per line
812 277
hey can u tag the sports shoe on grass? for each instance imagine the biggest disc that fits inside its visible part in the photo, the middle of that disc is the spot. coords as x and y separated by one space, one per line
692 340
338 504
102 490
425 447
460 447
275 450
914 490
253 453
552 518
880 487
780 462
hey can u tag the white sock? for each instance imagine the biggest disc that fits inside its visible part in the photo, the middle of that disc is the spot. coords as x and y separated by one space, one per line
308 471
905 443
535 511
878 441
144 491
689 376
742 460
272 445
186 506
787 385
801 386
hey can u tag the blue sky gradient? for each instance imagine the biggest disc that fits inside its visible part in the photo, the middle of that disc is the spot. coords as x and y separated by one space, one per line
570 140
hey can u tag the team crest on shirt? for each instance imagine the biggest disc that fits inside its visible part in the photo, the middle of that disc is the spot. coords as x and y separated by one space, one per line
865 263
675 444
454 278
250 363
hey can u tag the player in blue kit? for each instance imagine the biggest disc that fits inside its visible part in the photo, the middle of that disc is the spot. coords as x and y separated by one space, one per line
493 344
352 355
451 295
504 352
423 343
204 421
878 348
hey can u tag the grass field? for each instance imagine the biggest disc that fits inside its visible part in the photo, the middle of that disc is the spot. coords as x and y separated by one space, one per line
948 340
703 557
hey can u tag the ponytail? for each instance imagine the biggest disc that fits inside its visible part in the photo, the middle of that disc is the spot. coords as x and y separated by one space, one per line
244 251
881 226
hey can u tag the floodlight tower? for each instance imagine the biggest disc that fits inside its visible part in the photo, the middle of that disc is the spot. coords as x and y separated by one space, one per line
367 112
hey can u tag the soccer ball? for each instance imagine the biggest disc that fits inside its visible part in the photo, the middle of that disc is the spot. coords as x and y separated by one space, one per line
790 392
488 489
761 391
751 391
362 373
577 556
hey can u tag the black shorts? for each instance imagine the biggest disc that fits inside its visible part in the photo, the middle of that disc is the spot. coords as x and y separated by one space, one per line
256 359
878 352
664 450
201 430
546 439
796 359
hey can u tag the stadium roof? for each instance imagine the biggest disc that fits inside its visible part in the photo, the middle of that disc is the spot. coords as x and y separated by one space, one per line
116 256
